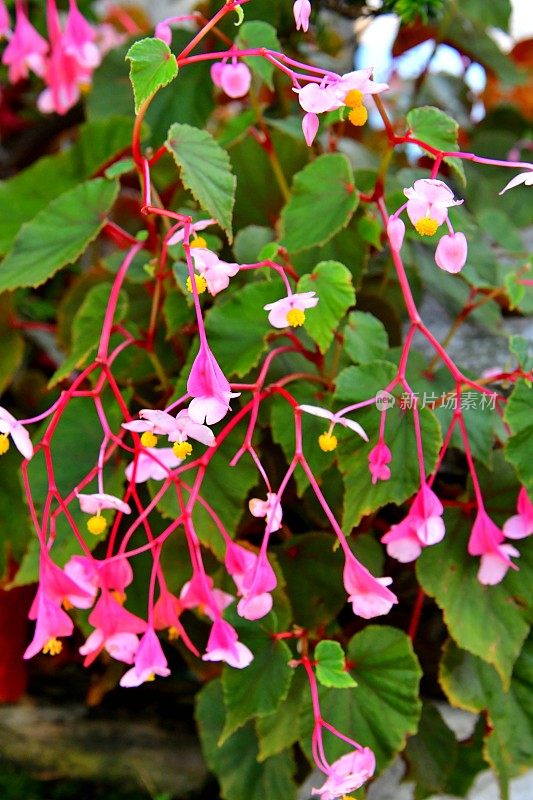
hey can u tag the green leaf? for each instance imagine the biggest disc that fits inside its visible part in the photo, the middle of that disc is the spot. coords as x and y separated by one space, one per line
58 234
355 384
205 170
259 689
438 130
365 337
520 347
236 762
332 282
277 732
87 329
310 560
259 34
322 202
448 574
11 345
152 66
251 241
472 684
240 314
384 707
519 417
432 753
32 189
331 665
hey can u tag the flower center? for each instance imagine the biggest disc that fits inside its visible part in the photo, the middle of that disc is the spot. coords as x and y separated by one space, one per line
53 647
151 677
354 99
173 633
295 317
200 281
4 443
199 241
181 449
358 116
120 597
148 439
327 442
67 605
426 226
96 525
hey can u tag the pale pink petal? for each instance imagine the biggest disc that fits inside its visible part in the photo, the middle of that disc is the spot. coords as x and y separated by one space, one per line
235 79
451 252
395 232
310 125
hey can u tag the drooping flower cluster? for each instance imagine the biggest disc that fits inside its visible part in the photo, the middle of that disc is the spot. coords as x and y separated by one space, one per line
65 62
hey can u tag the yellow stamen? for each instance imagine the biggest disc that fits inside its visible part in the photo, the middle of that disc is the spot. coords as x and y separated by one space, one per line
295 317
347 797
354 98
181 449
148 439
199 241
84 88
53 647
4 443
120 597
151 677
201 284
327 442
426 226
96 525
67 605
173 633
358 116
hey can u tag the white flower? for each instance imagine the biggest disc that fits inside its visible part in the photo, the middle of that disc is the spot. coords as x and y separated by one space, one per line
9 426
94 503
317 411
524 177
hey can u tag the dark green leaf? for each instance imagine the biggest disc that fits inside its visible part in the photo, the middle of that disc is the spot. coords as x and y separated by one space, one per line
322 202
58 234
365 337
434 127
519 416
205 170
332 282
235 763
448 574
259 34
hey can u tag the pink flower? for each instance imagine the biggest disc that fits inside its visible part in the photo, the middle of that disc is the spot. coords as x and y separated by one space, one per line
331 93
310 124
9 426
348 773
199 593
149 661
234 79
59 586
290 310
302 11
52 622
495 563
153 420
239 562
78 39
185 427
94 503
5 22
215 271
423 526
209 389
178 237
163 31
92 574
26 49
153 463
428 201
524 177
521 525
485 535
223 645
115 630
451 252
369 596
395 232
255 589
270 509
378 459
